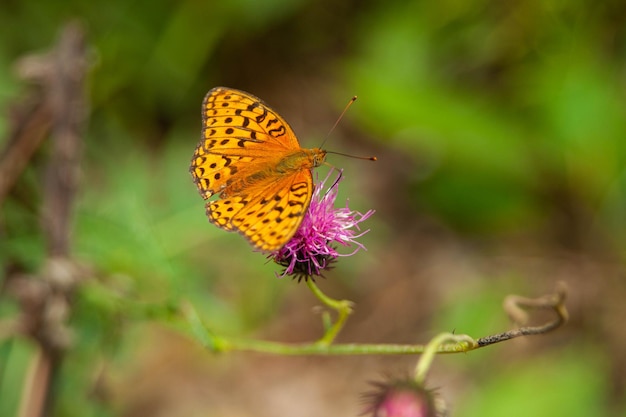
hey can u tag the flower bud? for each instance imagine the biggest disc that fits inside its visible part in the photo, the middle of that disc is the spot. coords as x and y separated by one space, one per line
403 398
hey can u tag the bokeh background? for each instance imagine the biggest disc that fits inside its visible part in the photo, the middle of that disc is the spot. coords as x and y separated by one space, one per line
500 132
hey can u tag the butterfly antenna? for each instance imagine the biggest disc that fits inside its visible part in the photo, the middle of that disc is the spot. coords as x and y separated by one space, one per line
365 158
368 158
352 100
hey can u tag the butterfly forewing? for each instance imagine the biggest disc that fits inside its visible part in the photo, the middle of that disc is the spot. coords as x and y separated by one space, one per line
249 116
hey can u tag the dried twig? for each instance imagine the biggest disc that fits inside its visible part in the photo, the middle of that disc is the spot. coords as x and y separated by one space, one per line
30 127
45 299
514 305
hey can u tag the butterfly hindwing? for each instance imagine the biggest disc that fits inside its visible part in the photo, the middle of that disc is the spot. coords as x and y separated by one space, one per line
267 217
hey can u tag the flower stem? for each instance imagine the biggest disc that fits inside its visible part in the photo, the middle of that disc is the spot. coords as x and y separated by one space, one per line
464 343
207 338
443 343
342 307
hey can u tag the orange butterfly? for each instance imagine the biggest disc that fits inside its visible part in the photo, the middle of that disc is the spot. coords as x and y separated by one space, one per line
250 155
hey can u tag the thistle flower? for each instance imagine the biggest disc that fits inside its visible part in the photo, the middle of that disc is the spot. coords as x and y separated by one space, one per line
313 248
403 398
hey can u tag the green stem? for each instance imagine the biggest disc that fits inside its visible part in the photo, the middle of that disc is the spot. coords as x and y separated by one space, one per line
261 346
215 343
439 342
342 307
206 337
444 343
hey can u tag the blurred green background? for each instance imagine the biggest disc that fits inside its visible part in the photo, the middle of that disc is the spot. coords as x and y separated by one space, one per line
501 138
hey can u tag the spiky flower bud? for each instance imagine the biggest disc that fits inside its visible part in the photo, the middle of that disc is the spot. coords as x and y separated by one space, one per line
403 398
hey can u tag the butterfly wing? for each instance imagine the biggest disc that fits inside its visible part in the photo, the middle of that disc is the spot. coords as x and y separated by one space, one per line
269 213
244 138
241 135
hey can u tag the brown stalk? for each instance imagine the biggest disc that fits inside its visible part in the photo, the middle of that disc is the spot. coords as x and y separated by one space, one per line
59 115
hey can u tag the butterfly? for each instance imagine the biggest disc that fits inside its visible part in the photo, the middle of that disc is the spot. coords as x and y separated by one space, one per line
250 156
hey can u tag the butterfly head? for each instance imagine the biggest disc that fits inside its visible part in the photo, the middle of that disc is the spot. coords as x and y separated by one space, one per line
318 156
